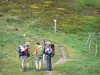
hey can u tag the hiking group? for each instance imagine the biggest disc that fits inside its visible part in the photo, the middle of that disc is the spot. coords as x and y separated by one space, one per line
43 51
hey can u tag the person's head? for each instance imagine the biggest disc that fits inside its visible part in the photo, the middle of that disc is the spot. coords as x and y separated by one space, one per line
27 44
48 44
52 46
37 43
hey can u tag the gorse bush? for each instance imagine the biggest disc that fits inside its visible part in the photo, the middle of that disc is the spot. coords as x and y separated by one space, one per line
42 13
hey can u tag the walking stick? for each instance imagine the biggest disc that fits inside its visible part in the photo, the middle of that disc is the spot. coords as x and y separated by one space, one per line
32 60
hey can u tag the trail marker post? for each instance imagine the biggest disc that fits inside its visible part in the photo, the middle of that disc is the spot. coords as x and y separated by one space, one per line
55 25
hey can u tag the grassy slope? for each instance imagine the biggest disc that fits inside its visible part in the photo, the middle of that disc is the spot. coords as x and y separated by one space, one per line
85 67
74 16
74 48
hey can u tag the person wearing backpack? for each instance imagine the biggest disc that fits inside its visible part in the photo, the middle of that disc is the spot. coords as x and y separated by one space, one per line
44 56
48 57
39 53
25 57
49 54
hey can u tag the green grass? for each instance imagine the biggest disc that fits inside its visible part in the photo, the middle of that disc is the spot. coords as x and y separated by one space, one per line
75 48
10 39
9 56
85 67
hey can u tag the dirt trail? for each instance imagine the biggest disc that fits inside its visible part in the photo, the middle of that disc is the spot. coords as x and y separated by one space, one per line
63 55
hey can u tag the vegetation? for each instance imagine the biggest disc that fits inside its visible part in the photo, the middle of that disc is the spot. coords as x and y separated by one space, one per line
34 18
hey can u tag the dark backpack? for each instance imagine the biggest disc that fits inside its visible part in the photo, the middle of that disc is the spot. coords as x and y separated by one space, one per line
20 52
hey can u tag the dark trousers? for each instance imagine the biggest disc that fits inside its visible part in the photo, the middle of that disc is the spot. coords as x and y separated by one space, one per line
49 63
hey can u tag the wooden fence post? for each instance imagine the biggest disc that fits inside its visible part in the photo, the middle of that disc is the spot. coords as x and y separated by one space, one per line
89 45
88 40
96 48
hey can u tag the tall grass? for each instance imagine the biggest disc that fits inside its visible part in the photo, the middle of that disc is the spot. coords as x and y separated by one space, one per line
93 3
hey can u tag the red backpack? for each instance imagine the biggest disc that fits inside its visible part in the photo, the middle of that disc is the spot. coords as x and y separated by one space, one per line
52 50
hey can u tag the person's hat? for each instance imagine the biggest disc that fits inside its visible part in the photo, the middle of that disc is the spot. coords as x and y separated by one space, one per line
27 44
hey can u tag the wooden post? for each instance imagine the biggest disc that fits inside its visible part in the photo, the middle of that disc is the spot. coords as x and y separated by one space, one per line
55 25
88 40
96 48
90 45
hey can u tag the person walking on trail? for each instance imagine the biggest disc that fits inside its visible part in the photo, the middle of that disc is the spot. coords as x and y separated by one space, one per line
49 53
25 57
39 53
44 56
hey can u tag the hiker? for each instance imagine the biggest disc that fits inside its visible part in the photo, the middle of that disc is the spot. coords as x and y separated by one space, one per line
39 53
44 56
25 57
48 57
49 54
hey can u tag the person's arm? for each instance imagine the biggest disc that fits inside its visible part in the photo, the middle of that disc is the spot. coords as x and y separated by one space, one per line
36 50
47 50
25 48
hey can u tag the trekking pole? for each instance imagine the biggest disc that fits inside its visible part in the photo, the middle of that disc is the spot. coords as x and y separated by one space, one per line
32 60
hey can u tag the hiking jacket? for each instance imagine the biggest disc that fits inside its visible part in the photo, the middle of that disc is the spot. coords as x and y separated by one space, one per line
38 50
26 50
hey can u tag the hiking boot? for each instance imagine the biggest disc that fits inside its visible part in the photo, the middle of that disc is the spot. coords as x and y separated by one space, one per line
37 70
27 69
23 69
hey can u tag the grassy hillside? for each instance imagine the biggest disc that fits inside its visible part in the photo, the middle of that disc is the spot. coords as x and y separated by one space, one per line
74 46
72 15
84 67
75 20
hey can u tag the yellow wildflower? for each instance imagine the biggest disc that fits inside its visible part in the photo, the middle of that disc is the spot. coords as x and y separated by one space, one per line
34 6
61 9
